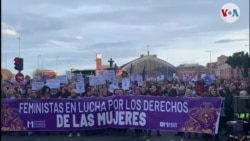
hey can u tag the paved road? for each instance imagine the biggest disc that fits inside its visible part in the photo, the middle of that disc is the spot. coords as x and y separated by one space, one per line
166 136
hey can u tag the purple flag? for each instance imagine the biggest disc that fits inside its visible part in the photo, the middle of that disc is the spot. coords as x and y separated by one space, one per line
131 69
144 72
116 69
208 79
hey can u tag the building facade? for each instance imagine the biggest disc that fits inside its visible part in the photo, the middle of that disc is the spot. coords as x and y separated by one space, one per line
212 68
191 70
150 65
225 71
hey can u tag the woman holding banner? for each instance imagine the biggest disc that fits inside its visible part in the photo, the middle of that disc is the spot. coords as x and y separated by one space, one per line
73 95
154 92
213 93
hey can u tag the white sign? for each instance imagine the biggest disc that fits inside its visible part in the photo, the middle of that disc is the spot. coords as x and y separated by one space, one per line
111 88
80 87
12 80
115 83
100 80
101 72
52 83
133 77
160 78
37 85
69 74
62 79
125 84
36 78
79 77
148 79
96 80
186 77
110 75
195 78
212 76
139 80
203 75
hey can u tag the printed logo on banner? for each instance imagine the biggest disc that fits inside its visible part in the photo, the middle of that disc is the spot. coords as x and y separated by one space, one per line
36 124
202 117
10 118
30 124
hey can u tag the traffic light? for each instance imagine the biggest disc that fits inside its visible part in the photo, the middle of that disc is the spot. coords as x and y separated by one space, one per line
18 63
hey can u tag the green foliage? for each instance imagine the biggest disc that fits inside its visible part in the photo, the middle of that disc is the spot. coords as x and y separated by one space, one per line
240 60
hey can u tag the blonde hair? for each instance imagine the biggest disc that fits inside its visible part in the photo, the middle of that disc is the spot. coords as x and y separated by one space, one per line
73 91
11 91
243 93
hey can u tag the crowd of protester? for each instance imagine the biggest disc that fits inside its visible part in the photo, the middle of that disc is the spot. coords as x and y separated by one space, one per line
225 89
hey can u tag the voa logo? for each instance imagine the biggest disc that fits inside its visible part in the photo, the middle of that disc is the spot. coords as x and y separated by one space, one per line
230 12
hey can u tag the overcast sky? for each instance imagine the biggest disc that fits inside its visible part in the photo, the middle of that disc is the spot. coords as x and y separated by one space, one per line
73 31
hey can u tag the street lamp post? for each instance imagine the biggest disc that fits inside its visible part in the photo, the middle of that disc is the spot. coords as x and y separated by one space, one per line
6 61
42 62
210 52
38 57
19 38
56 62
42 65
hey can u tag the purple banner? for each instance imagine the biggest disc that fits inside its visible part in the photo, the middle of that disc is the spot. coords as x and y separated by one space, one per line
200 115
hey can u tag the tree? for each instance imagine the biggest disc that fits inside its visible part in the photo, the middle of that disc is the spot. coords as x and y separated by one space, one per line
240 60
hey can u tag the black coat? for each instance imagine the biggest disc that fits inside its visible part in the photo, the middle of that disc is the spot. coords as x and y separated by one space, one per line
229 110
